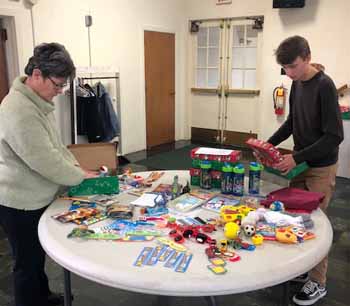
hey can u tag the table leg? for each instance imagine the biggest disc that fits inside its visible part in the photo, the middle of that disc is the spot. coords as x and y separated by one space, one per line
211 301
67 288
285 294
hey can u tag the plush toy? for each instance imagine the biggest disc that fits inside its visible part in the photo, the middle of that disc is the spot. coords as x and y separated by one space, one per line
253 217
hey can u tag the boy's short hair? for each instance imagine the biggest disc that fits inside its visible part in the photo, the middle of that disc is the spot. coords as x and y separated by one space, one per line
52 59
291 48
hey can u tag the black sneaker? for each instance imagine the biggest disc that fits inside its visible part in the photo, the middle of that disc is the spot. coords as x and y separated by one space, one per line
309 294
303 278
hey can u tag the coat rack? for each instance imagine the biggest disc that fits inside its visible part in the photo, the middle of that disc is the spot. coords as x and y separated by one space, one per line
96 75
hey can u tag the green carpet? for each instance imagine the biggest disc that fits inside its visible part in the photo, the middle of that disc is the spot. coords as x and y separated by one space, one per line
178 159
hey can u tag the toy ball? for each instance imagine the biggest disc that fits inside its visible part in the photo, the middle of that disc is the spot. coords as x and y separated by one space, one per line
277 206
231 230
249 230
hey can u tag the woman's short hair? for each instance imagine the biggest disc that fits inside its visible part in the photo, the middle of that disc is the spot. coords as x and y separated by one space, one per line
291 48
52 59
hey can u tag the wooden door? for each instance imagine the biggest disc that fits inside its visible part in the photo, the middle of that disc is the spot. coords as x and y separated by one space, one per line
160 87
4 85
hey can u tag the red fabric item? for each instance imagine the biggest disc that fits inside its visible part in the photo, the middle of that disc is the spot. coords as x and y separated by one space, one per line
295 198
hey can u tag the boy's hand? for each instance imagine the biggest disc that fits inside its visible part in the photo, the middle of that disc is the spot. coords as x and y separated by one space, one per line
287 164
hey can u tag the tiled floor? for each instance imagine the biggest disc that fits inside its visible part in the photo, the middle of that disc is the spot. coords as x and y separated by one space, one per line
88 293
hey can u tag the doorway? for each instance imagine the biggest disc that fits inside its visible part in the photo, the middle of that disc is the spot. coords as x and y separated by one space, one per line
4 83
159 87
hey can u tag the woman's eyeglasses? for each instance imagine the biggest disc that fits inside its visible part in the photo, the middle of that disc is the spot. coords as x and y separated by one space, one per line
57 85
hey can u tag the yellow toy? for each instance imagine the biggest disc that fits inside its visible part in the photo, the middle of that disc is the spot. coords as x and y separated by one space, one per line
285 235
257 239
231 230
223 245
229 213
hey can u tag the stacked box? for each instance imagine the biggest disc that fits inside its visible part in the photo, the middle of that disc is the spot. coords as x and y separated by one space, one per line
345 112
217 157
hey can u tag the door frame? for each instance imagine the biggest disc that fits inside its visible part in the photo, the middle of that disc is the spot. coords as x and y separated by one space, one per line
19 47
143 77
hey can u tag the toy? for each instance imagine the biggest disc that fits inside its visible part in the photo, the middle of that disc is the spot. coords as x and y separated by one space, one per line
277 206
231 230
229 213
285 235
223 245
257 239
249 230
217 269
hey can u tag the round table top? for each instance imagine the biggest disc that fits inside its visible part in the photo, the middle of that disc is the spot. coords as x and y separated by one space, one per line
111 263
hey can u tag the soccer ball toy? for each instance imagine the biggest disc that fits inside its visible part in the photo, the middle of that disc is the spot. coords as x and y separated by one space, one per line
249 230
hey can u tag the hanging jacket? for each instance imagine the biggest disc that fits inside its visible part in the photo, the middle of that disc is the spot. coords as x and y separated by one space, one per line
111 127
96 117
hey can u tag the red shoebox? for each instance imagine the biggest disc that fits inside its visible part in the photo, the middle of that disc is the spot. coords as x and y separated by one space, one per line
266 152
221 155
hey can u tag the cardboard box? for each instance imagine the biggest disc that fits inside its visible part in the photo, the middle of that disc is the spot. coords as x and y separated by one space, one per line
91 156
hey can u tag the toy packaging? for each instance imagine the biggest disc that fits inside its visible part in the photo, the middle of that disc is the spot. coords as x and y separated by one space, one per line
203 194
118 211
215 203
77 216
185 203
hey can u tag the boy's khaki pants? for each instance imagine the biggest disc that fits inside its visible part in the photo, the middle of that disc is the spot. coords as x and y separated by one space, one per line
318 180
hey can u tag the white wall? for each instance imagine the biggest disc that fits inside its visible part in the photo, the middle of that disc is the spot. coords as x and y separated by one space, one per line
324 23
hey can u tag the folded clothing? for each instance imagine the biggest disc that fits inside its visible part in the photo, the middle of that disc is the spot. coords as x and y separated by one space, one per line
295 198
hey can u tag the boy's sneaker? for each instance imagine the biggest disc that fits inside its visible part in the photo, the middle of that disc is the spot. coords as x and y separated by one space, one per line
309 294
303 278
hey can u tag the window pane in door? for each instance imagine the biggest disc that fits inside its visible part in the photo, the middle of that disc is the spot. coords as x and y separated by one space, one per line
202 57
202 37
250 79
238 57
213 58
213 78
250 58
238 35
252 37
214 36
237 78
201 78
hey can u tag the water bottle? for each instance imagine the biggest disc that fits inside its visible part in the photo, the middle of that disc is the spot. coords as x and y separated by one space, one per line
238 180
254 177
205 178
226 179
